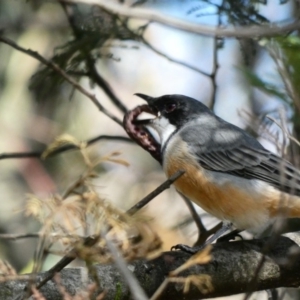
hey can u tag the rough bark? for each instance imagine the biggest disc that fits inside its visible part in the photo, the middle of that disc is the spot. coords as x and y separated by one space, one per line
232 267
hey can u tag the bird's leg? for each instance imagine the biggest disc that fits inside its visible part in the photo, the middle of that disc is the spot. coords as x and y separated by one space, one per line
225 227
201 228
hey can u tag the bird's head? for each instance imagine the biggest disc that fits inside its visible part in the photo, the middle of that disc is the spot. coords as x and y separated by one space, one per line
171 113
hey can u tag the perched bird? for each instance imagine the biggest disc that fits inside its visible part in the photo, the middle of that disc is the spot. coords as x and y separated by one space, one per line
228 173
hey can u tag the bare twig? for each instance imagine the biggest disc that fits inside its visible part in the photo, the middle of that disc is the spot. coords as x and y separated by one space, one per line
136 291
10 155
165 185
280 61
13 236
215 63
104 85
154 16
16 236
213 74
145 42
60 71
286 132
38 154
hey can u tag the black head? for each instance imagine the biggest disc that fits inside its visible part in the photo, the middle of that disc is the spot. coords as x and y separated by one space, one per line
178 109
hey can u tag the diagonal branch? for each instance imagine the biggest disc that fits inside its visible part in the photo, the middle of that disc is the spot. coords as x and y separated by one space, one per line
165 185
61 72
92 71
133 284
102 83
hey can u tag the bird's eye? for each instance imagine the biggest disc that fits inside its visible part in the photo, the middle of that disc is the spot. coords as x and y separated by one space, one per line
170 107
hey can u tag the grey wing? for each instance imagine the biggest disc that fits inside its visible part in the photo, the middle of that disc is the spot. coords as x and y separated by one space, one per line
231 150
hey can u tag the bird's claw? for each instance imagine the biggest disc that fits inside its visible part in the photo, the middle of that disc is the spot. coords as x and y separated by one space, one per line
185 248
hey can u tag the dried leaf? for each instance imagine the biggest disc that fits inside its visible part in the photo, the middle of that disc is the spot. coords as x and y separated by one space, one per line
33 206
7 269
119 161
202 282
200 258
110 158
60 141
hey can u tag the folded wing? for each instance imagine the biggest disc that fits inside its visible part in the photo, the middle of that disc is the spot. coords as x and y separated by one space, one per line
230 150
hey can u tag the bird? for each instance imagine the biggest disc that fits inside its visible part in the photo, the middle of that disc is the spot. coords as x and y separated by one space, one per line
227 172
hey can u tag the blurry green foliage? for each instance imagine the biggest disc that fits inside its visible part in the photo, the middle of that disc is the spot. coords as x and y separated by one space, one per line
291 48
263 85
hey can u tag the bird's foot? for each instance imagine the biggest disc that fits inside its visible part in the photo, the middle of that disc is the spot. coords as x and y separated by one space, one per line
187 249
192 250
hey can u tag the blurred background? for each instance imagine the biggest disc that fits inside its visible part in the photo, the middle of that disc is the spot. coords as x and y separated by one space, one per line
242 80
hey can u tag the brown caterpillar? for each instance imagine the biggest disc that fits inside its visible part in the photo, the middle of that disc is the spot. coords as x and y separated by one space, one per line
139 133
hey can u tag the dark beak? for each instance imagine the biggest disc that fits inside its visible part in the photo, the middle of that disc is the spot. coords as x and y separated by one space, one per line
149 99
143 122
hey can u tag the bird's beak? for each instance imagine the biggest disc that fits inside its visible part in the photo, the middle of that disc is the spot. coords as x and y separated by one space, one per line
150 101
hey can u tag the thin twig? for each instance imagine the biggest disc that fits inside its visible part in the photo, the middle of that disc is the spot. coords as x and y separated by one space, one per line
137 292
165 185
13 236
145 42
64 148
60 71
104 85
17 236
284 130
213 74
10 155
282 68
160 289
251 31
215 64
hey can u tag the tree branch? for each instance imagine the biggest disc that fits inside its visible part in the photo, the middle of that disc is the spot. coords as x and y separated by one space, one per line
61 72
165 185
230 269
92 72
252 31
64 148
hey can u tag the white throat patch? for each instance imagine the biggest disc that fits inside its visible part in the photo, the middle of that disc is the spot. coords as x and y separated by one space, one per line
164 129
